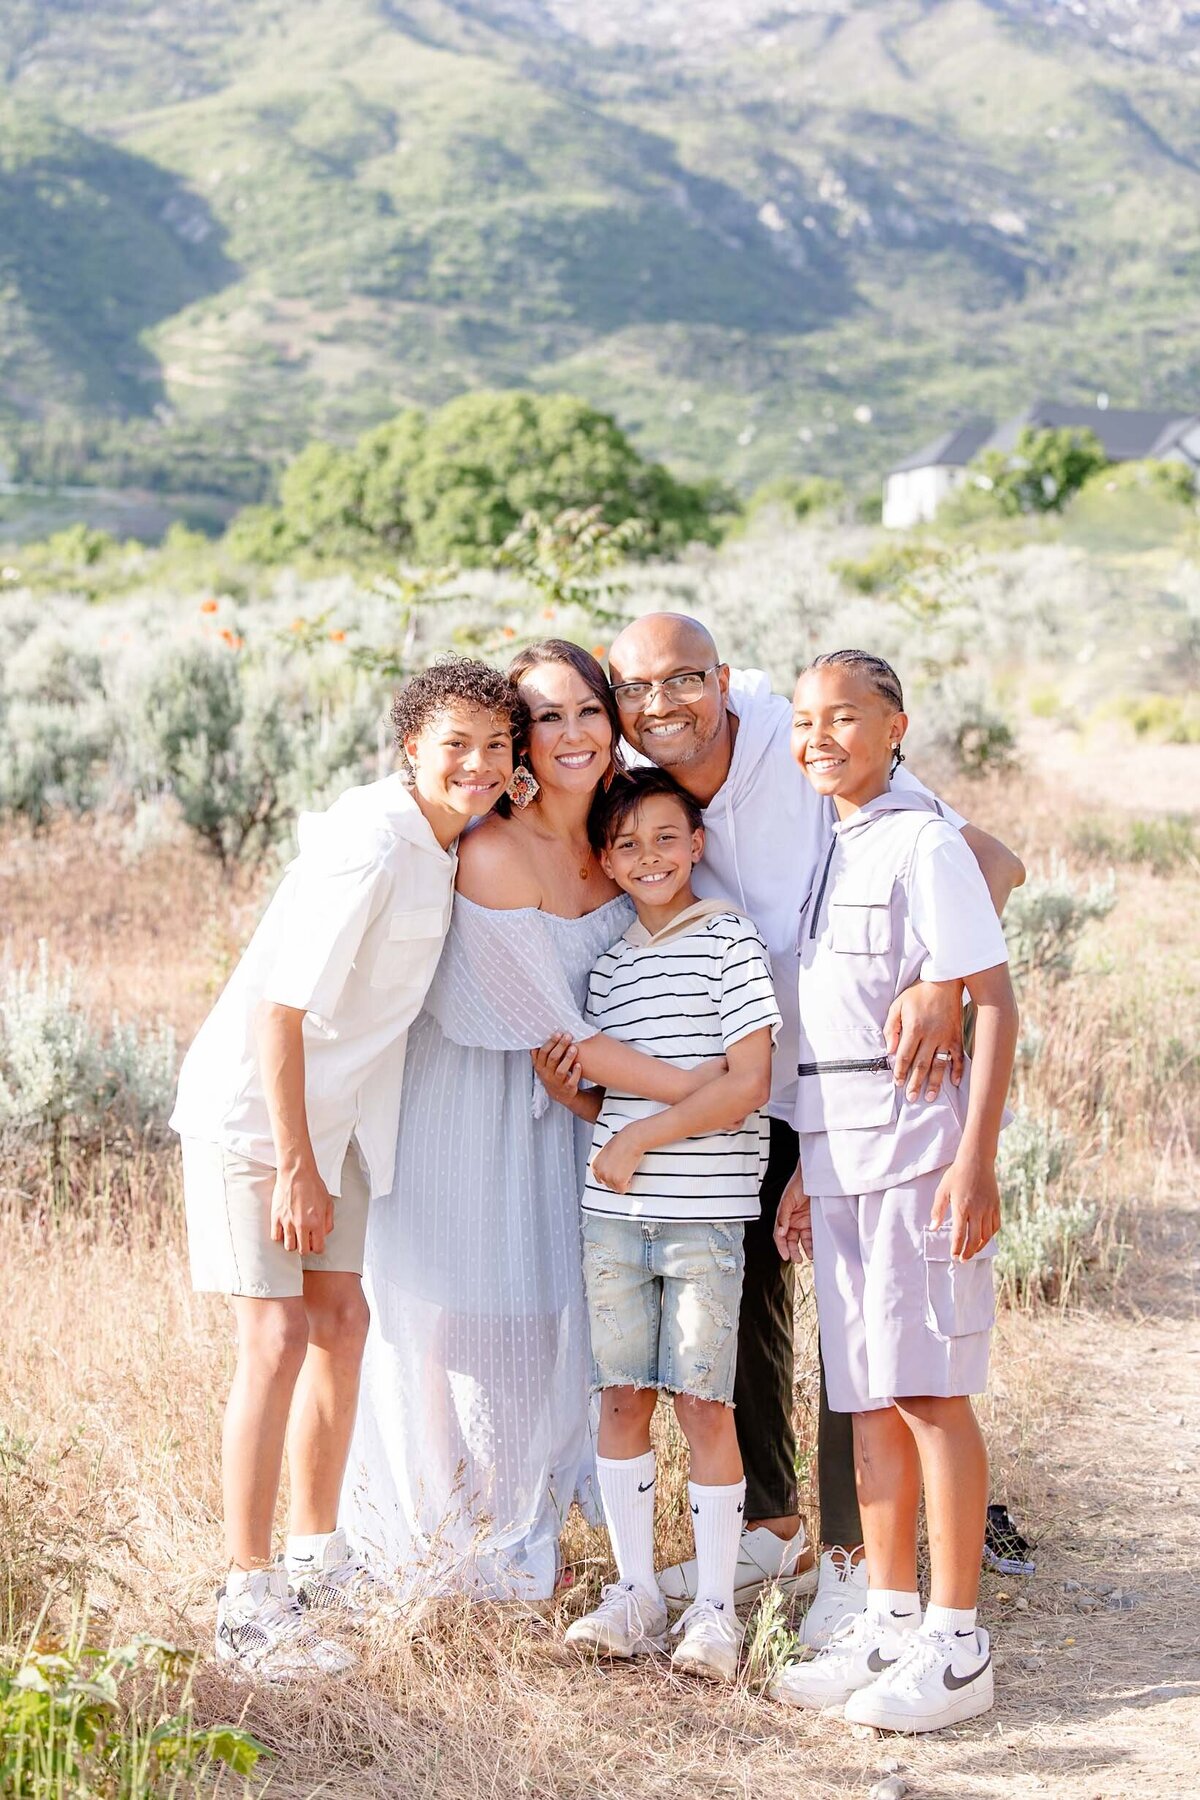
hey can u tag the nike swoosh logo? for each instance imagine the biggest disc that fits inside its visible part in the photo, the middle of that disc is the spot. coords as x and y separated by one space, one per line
877 1664
954 1681
741 1506
695 1508
645 1486
909 1615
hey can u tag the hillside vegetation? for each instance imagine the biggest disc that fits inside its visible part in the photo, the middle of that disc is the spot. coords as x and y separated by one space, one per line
737 227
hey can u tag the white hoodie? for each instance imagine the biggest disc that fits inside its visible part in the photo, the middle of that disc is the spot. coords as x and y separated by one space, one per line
766 830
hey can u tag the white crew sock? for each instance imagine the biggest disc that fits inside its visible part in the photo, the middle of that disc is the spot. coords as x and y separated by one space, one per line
951 1621
310 1550
627 1490
717 1520
893 1607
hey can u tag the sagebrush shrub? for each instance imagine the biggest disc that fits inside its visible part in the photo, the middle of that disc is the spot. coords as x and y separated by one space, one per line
1045 1231
61 1080
1045 919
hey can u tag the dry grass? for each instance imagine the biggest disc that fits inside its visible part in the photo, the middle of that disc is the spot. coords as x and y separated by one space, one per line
113 1374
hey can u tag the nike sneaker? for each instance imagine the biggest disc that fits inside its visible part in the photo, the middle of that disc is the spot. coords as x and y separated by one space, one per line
262 1627
627 1622
941 1679
859 1650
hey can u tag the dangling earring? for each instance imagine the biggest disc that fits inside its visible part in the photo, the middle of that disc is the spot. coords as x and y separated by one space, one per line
523 786
897 757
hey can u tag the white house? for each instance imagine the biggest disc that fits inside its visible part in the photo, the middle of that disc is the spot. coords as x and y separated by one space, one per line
914 489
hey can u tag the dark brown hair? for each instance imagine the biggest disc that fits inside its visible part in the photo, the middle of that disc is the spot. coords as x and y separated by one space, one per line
628 792
571 656
461 678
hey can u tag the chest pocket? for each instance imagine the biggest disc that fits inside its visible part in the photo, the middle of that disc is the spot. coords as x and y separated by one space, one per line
405 950
860 917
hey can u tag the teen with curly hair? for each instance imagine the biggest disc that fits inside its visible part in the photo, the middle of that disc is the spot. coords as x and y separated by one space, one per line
288 1106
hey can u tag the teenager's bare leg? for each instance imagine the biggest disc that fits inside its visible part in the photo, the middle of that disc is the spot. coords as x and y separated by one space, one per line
625 1415
326 1398
272 1340
888 1472
708 1427
955 1467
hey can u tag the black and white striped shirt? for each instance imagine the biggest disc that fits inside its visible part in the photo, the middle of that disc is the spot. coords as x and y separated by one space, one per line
687 999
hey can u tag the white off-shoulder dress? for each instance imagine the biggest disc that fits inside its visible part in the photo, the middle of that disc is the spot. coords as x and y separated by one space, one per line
473 1432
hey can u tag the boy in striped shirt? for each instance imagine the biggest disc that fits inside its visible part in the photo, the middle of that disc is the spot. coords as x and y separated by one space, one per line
668 1190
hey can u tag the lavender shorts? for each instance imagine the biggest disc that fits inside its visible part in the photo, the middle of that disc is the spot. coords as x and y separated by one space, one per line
898 1316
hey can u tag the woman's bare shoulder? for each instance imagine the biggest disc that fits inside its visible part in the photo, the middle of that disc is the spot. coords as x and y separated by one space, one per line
494 867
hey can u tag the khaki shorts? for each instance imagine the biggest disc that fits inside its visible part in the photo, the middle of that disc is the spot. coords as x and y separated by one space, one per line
228 1203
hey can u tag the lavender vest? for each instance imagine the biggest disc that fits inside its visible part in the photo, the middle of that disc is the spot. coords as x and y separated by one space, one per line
858 950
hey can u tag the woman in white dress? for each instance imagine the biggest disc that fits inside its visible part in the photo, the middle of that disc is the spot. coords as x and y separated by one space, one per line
473 1432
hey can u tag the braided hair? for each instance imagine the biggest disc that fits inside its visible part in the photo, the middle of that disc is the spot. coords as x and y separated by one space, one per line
880 674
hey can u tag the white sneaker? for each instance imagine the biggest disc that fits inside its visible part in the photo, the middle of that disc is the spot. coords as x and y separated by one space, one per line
762 1558
710 1642
262 1627
627 1622
860 1650
938 1681
841 1593
340 1581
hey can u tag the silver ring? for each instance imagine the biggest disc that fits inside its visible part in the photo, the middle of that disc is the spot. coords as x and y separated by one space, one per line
943 1056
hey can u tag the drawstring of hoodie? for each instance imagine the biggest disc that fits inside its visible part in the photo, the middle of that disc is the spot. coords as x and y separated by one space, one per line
737 867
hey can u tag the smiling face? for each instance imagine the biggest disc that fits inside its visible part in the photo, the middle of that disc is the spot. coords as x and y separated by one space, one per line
670 730
844 733
652 855
462 759
570 737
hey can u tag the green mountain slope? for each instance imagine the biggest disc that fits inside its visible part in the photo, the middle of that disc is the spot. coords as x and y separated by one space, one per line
770 237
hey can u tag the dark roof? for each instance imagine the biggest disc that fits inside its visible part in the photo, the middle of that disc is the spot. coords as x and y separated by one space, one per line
1127 434
954 449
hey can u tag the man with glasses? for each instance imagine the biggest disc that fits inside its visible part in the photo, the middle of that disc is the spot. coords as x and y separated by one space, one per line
725 737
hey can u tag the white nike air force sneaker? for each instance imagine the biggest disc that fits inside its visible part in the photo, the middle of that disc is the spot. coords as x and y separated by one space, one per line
941 1679
762 1558
859 1651
841 1592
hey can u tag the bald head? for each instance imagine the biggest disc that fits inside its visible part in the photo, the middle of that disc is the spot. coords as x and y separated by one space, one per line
681 727
661 638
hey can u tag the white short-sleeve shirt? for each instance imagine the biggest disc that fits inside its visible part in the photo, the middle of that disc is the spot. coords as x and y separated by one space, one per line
687 999
351 937
899 899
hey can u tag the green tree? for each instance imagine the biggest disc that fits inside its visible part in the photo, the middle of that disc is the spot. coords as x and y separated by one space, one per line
1041 471
454 484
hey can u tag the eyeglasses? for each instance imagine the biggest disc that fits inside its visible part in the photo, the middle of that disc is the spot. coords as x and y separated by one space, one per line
634 696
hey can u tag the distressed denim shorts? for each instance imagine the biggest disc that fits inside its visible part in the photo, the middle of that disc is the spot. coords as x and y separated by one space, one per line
663 1299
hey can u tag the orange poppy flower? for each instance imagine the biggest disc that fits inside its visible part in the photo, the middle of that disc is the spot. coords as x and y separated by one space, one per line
296 625
599 651
337 637
549 612
208 606
508 632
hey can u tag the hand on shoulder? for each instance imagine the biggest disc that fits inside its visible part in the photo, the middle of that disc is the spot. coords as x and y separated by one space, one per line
494 867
